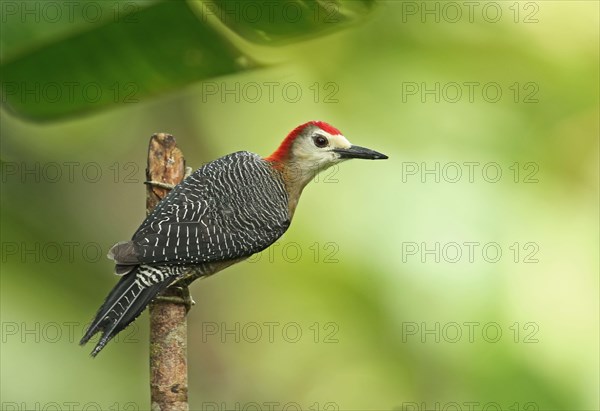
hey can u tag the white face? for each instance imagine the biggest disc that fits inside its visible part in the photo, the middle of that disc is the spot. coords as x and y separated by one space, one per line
313 149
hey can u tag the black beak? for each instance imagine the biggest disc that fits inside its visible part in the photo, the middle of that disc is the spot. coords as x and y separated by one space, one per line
359 152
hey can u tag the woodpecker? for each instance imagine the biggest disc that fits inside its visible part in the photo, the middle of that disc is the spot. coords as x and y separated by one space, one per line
221 214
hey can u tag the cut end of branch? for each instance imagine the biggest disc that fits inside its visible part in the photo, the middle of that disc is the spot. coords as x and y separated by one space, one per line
165 163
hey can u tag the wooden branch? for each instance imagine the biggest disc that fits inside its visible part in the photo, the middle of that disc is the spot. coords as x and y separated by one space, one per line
168 326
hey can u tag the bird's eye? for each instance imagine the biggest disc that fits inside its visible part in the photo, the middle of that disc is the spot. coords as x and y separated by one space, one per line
320 141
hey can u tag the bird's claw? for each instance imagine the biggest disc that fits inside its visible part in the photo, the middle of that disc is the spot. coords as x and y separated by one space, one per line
160 184
167 186
184 298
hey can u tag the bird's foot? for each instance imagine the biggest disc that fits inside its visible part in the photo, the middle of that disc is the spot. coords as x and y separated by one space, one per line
160 184
177 295
167 186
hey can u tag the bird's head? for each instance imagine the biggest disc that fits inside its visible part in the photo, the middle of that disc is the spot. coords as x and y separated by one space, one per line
316 146
310 148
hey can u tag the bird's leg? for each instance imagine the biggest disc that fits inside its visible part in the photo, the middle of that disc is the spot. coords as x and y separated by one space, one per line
178 295
167 186
186 280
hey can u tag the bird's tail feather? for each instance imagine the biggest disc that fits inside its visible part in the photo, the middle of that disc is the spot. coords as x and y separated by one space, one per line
124 304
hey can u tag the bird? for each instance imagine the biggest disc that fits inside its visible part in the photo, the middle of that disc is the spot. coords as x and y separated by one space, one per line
221 214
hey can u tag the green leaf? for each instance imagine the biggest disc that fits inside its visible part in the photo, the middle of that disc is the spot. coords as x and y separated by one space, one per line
119 63
61 59
269 22
27 26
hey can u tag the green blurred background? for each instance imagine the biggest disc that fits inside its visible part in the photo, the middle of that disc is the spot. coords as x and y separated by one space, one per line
350 310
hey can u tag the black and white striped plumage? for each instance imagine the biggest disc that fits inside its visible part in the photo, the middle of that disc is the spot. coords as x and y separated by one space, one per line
224 212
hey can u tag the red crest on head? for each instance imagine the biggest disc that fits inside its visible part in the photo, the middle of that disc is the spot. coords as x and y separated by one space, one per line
326 127
286 144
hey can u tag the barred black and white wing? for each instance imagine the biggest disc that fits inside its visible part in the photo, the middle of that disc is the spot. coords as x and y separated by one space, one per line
231 208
